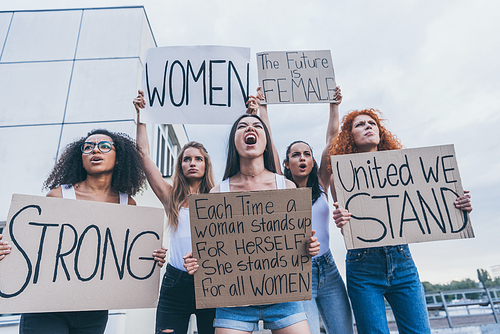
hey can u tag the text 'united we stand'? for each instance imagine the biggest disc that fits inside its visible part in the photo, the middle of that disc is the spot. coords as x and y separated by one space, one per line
400 196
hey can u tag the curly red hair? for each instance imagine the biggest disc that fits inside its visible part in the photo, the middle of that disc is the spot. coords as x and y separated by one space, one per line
344 143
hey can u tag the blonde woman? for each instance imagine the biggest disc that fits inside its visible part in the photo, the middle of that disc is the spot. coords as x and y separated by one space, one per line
192 175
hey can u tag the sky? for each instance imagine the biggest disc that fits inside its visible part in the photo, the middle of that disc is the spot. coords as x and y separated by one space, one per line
432 69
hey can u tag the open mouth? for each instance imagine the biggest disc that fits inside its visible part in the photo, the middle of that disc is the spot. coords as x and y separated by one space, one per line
250 139
96 158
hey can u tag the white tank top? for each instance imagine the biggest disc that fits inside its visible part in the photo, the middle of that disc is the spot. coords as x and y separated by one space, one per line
280 183
180 240
69 192
321 222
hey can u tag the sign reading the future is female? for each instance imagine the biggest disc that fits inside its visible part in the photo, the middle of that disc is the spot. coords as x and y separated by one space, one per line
195 84
296 76
400 196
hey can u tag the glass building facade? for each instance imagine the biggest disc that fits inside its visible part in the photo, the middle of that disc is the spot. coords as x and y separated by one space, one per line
62 74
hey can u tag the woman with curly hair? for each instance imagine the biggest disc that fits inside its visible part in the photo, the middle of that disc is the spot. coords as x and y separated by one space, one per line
380 272
192 175
329 296
102 167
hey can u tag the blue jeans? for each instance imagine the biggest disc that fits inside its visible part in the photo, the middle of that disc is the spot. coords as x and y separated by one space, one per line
246 318
375 273
80 322
177 302
329 298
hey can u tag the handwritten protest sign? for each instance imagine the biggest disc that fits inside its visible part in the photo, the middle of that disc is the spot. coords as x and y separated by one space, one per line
400 196
296 76
70 255
195 84
251 247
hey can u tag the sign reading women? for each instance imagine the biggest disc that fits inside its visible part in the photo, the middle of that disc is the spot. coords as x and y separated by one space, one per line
296 76
400 196
195 85
70 255
251 247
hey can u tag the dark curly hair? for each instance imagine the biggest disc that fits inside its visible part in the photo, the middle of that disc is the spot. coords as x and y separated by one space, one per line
128 174
312 179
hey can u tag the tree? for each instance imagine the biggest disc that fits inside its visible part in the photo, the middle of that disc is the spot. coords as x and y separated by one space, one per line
484 277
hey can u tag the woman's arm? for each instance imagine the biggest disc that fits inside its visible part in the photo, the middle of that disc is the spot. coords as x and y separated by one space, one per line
160 187
253 106
331 131
340 215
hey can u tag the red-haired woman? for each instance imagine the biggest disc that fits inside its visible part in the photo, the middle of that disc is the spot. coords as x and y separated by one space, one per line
389 271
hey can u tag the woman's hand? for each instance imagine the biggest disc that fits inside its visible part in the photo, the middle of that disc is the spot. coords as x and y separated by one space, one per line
340 215
4 248
190 263
463 202
159 256
337 96
313 245
139 102
253 102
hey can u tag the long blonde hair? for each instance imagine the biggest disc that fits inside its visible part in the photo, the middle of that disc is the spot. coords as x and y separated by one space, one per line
180 186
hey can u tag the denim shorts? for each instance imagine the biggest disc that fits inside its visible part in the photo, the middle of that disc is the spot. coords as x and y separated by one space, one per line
246 318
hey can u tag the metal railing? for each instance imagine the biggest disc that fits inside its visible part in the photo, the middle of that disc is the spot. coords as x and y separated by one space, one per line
468 300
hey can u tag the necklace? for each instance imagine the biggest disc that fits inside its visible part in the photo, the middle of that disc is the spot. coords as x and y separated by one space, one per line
252 175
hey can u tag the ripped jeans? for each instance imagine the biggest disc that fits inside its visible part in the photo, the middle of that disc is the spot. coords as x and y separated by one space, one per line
177 303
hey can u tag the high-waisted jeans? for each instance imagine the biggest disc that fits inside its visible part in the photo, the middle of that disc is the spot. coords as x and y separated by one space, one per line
177 303
375 273
79 322
329 298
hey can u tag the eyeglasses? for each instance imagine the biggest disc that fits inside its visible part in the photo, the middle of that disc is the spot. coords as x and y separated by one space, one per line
103 146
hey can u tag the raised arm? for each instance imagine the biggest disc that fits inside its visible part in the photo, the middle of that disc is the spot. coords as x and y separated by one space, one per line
160 187
253 106
331 131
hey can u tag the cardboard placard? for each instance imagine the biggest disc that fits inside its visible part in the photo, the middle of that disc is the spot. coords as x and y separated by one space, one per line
251 247
400 196
297 76
195 84
72 255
